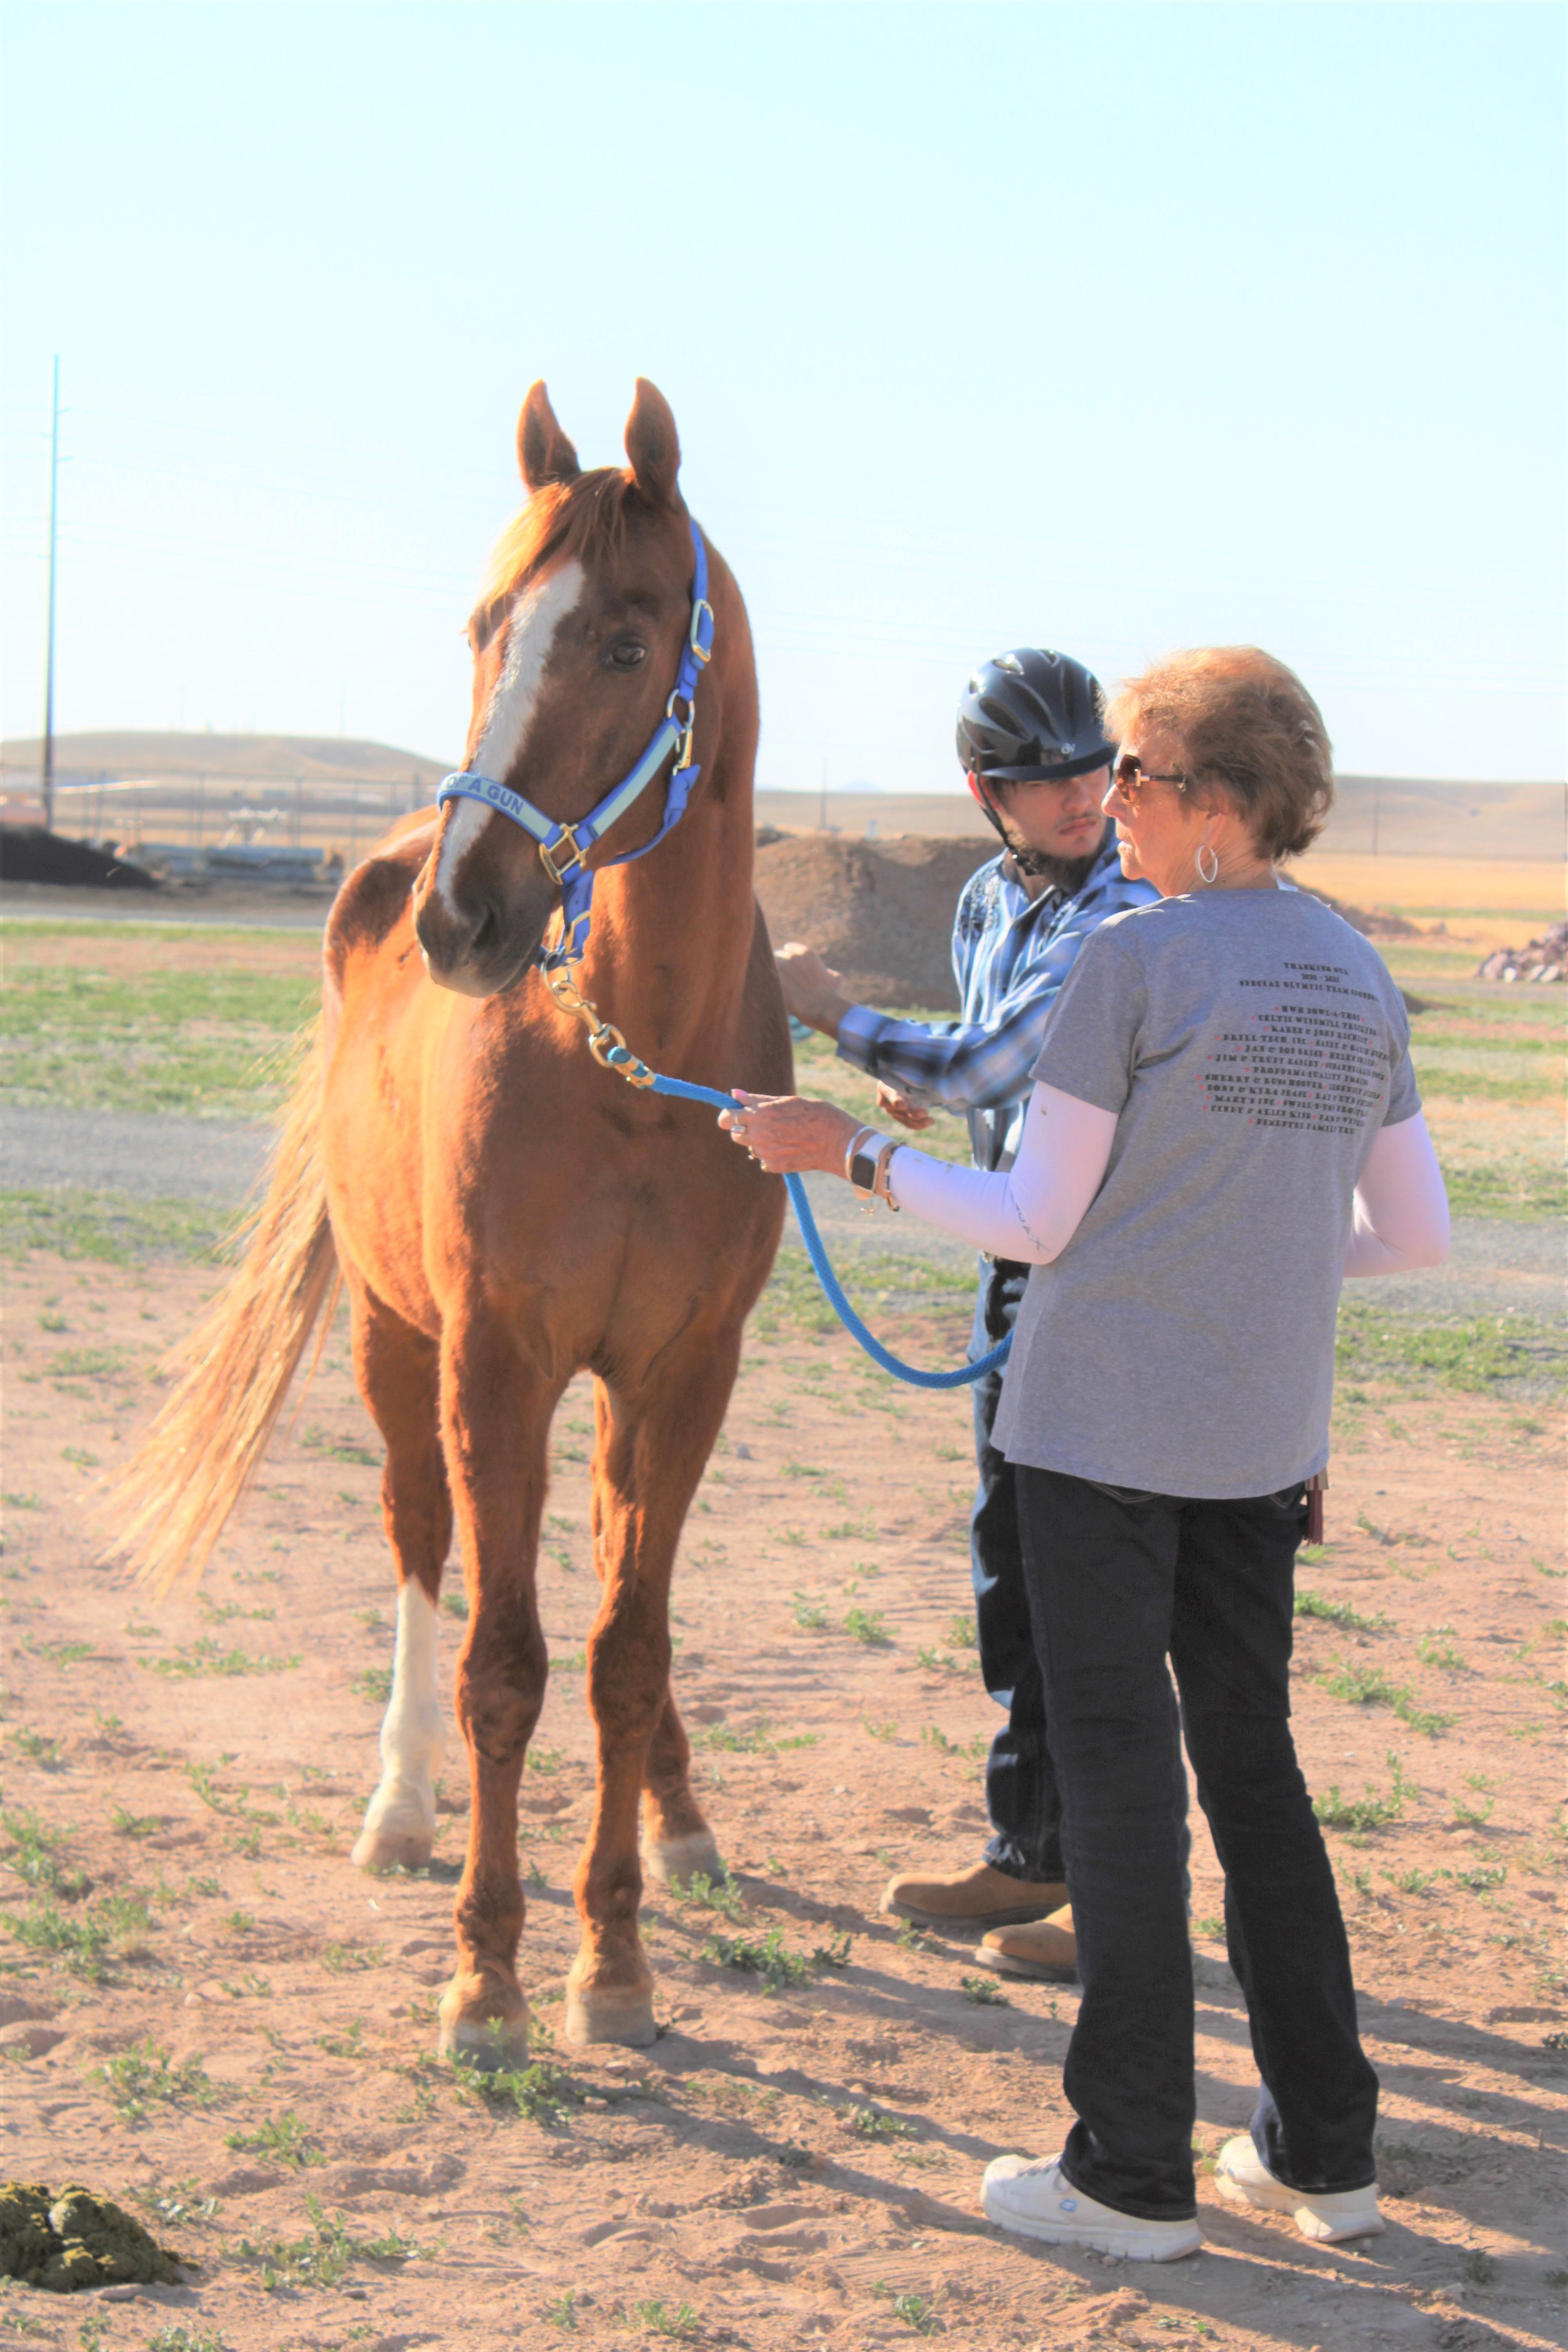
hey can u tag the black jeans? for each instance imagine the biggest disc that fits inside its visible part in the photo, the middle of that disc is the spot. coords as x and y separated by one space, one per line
1117 1582
1021 1793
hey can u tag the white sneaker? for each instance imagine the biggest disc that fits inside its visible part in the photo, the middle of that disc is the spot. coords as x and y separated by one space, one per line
1245 2179
1034 2200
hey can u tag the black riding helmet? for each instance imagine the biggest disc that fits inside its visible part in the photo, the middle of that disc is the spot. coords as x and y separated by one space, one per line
1032 717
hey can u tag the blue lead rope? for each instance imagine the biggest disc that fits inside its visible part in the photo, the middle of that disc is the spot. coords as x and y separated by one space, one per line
621 1058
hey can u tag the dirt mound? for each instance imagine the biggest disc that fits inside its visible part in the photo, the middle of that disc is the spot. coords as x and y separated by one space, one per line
879 911
29 853
1372 924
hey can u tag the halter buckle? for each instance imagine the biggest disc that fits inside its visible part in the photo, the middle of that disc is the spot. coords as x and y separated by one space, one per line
701 648
579 856
688 726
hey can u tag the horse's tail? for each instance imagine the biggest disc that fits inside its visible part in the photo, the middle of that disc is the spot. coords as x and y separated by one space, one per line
208 1438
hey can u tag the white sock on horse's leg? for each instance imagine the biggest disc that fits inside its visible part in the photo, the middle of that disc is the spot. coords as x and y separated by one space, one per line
400 1820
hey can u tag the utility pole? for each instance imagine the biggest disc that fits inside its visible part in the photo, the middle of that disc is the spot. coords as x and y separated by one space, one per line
822 801
47 791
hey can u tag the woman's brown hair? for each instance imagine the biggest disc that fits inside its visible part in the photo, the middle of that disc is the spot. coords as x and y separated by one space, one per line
1246 724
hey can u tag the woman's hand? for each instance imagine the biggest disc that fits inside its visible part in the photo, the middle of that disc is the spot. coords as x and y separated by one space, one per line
788 1134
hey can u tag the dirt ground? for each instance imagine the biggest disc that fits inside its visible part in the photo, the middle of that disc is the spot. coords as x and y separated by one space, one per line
205 2011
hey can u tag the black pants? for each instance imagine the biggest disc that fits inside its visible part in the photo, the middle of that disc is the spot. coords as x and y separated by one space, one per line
1021 1793
1117 1581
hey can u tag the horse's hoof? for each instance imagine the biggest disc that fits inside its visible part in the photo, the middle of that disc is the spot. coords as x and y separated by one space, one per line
610 2013
386 1849
667 1860
492 2044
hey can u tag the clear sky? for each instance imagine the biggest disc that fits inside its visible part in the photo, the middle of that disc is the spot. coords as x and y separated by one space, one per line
1115 328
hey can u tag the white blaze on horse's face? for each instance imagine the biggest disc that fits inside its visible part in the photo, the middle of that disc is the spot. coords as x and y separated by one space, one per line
535 618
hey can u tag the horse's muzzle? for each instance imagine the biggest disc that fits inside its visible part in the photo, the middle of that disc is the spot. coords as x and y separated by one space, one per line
481 936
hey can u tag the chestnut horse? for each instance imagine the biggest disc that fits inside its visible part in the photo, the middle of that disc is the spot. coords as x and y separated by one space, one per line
504 1212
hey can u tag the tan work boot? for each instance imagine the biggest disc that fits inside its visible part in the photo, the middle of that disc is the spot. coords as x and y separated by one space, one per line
1045 1948
976 1897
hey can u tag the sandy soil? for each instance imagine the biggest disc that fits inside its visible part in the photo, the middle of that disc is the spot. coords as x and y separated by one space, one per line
783 2168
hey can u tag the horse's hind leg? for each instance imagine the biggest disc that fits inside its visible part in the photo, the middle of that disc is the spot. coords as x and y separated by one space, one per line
397 1370
652 1445
677 1842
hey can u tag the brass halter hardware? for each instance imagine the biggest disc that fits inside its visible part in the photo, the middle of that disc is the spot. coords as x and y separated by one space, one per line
603 1035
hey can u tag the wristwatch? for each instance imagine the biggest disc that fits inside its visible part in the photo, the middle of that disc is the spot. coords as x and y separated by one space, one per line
861 1162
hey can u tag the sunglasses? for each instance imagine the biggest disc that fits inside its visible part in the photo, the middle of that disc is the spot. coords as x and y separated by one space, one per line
1131 776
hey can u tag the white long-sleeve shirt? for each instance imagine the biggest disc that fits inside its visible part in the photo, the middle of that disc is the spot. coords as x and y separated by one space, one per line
1030 1212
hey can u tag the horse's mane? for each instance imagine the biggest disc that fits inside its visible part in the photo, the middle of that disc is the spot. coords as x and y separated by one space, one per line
583 516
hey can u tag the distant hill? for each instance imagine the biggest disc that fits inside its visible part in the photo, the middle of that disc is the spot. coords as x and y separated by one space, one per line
1397 815
122 754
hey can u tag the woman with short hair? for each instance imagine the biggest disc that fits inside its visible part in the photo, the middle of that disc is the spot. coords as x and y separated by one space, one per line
1225 1124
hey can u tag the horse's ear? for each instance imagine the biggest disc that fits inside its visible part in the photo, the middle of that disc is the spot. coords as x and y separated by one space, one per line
544 451
653 446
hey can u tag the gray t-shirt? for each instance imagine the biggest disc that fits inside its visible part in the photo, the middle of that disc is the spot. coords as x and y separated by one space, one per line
1251 1044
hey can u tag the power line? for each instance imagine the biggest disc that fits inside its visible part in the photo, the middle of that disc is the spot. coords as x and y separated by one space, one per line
47 788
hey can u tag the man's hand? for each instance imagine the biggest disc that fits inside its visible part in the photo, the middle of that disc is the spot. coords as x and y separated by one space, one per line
811 992
893 1105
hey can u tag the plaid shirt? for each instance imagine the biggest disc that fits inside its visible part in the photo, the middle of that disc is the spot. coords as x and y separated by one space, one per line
1010 956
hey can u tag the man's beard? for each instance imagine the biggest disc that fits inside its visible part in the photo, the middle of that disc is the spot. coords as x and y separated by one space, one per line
1067 874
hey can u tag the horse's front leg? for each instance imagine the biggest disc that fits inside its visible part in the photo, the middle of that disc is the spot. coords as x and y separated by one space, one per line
652 1445
496 1407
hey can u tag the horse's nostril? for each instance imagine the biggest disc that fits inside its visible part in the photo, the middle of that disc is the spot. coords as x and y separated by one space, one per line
484 930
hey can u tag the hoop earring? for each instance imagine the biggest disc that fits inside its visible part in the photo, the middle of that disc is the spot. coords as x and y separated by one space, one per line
1208 879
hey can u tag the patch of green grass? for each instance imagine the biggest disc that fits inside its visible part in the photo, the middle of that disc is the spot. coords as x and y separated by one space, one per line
38 1749
79 1940
134 1825
1336 1613
113 1228
985 1993
539 2093
870 2123
214 1042
1368 1812
661 2319
178 2337
147 2075
28 1849
1483 1355
1437 1649
767 1957
373 1683
324 2258
867 1627
720 1895
62 1654
1519 1189
204 1657
754 1742
341 1959
1370 1686
282 2139
808 1615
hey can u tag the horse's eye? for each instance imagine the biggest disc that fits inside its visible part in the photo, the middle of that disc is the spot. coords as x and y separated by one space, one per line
627 653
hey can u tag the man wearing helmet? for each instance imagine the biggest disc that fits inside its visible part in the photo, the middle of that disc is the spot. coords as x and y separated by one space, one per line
1032 743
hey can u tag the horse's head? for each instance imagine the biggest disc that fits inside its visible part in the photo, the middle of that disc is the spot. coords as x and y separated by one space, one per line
576 644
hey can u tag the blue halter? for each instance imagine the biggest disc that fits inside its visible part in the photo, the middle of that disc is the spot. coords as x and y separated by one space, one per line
571 873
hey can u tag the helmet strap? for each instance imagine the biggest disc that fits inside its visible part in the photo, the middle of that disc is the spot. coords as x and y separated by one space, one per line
987 807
